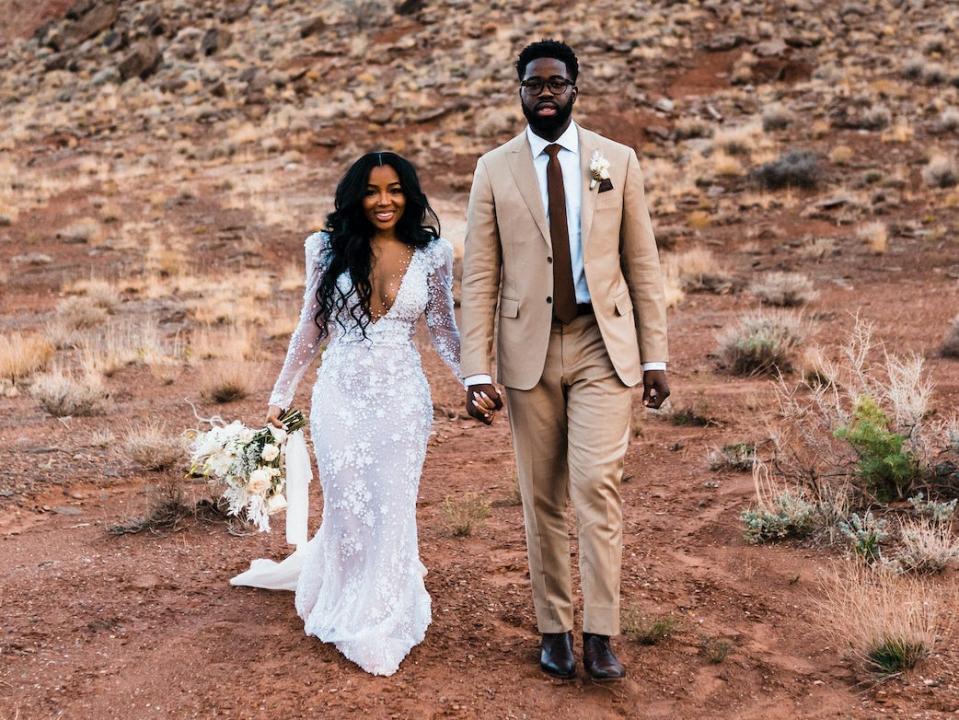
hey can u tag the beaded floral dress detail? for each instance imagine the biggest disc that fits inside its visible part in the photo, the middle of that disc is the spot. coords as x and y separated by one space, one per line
361 583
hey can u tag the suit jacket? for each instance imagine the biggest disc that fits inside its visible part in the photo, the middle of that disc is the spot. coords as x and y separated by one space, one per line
507 265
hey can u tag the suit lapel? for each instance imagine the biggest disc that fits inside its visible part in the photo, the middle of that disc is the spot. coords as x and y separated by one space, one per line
524 175
586 148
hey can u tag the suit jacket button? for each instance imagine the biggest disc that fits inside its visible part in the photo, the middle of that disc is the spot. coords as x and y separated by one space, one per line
549 260
549 299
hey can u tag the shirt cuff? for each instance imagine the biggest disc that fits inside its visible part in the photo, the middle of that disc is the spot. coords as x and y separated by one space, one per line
478 380
654 366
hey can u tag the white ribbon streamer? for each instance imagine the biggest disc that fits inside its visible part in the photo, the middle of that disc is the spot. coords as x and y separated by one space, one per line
298 477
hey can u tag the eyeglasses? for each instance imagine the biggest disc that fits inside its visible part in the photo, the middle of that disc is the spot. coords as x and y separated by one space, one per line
556 85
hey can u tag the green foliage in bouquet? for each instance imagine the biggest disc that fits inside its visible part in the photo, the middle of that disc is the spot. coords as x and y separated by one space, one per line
887 468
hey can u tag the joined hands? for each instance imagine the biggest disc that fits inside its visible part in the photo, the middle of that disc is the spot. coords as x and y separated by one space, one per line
482 401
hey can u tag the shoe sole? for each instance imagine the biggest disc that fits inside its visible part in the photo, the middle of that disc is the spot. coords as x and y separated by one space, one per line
571 676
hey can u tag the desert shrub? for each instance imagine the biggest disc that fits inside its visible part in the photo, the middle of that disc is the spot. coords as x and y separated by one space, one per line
777 117
950 345
886 467
864 424
941 171
102 292
841 154
225 381
22 355
865 534
940 512
77 312
949 120
875 235
465 513
648 630
798 168
784 289
736 456
913 67
926 546
167 509
877 117
152 447
762 342
62 394
889 622
778 512
934 73
698 270
737 140
688 128
715 650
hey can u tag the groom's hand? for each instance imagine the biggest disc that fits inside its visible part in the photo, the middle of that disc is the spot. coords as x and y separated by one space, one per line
482 401
655 388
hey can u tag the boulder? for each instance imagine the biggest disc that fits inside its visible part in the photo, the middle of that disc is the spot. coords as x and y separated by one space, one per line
143 60
93 22
215 40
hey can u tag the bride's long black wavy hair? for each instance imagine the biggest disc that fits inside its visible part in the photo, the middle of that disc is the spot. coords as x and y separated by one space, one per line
350 235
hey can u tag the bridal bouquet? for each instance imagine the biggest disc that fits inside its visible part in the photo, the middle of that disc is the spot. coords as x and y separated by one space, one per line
250 463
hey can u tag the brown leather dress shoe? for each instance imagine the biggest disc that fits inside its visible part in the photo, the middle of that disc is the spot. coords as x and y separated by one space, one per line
599 660
556 655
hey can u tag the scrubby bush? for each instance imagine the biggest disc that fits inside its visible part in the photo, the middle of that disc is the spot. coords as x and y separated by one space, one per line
778 512
865 534
736 456
784 289
762 342
65 394
926 546
152 447
798 168
950 346
465 513
22 355
941 172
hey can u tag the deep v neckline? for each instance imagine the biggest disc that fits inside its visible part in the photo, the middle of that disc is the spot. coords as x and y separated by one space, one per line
399 290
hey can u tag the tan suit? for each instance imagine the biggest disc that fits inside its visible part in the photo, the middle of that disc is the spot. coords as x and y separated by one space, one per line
567 385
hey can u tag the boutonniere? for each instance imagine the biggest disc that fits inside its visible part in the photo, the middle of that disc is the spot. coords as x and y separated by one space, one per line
599 169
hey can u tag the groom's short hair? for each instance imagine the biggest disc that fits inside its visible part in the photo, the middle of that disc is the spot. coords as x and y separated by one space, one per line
548 49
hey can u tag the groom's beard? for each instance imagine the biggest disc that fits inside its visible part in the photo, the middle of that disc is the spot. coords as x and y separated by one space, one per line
548 125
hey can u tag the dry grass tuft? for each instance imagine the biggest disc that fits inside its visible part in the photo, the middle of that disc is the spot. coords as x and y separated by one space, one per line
168 508
876 236
648 630
22 355
763 342
785 289
698 271
889 621
777 117
926 546
103 293
941 172
234 342
62 394
841 154
465 513
225 381
153 448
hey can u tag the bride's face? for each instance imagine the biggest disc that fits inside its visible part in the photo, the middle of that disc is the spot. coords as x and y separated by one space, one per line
384 200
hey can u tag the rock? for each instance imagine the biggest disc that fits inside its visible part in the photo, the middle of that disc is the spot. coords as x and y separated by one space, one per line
721 43
93 23
218 89
55 62
770 48
235 10
658 132
312 27
215 40
107 75
116 40
665 105
410 7
142 61
79 9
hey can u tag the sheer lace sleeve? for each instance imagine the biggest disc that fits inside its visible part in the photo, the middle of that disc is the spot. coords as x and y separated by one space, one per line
440 318
305 341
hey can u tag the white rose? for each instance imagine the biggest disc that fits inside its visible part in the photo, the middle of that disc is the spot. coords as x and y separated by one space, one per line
246 436
279 435
270 452
259 482
275 503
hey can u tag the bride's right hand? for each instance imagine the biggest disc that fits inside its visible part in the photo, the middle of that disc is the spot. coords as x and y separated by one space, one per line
273 416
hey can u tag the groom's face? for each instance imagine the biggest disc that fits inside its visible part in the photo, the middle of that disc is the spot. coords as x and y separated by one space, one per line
547 110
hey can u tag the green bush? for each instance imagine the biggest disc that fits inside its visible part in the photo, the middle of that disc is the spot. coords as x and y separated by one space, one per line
887 468
787 515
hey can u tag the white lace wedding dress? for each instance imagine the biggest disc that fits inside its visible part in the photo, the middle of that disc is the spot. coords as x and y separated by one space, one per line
359 581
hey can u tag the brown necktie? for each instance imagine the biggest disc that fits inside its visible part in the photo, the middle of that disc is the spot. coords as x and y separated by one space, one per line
564 296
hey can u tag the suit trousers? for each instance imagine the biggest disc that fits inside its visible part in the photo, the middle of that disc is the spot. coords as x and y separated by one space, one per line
570 435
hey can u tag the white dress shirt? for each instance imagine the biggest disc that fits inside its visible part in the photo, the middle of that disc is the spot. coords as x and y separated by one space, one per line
569 161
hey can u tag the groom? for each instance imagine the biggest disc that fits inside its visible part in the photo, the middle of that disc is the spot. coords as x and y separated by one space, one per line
560 250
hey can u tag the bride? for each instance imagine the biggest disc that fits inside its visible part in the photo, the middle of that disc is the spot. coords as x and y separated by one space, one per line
376 268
